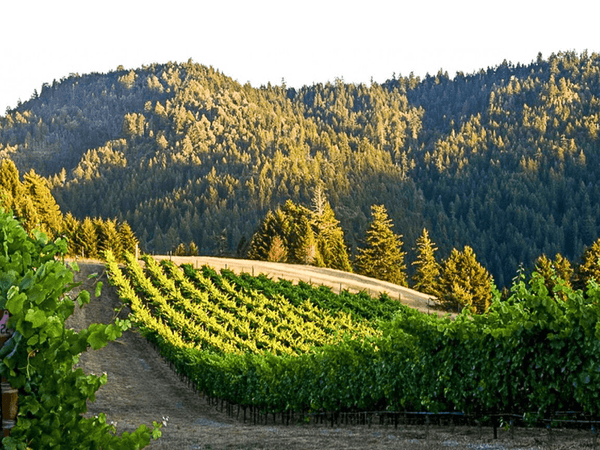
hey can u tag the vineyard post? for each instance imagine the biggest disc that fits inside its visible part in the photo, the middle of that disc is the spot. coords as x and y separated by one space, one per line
495 425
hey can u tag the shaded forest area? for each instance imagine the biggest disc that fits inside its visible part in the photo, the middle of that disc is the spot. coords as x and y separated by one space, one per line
505 160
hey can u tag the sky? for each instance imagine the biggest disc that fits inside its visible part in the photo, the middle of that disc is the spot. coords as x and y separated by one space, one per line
301 42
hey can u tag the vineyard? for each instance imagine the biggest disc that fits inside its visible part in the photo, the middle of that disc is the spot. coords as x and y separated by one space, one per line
269 348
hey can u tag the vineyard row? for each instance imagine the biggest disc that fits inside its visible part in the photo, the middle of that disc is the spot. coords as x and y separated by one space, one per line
529 353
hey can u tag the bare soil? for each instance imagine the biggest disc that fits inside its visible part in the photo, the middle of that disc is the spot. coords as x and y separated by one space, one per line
142 388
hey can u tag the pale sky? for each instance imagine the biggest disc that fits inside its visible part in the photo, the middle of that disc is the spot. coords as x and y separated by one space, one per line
303 42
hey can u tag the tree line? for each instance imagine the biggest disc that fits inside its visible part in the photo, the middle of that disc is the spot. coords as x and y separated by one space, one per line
299 234
32 203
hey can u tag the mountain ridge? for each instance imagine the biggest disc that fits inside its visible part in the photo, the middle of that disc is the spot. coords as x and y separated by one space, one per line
504 160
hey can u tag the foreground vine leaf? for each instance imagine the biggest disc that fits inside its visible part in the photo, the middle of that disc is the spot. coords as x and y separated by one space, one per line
38 359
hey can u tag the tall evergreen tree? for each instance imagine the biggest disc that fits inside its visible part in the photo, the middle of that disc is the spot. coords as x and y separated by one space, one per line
560 268
87 239
306 251
28 214
331 244
564 269
10 185
129 241
260 245
297 234
108 236
589 267
70 229
465 283
48 210
180 250
192 249
426 277
382 256
277 250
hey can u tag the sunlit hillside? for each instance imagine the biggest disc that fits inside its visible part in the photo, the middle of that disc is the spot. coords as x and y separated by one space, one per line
505 160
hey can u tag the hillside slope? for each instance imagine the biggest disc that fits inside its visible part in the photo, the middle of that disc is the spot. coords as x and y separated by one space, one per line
142 388
337 280
505 160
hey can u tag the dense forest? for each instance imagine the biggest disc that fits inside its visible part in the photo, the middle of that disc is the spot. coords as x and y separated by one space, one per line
505 160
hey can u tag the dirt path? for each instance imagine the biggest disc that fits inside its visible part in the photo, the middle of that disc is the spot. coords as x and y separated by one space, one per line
141 388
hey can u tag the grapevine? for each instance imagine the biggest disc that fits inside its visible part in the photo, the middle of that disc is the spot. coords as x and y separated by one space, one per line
38 360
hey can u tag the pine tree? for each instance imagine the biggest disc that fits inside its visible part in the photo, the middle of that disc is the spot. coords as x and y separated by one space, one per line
465 283
129 241
306 251
589 267
331 245
28 214
552 270
10 185
180 250
564 269
382 257
293 226
277 250
426 277
70 227
192 249
48 210
108 237
87 239
243 248
260 245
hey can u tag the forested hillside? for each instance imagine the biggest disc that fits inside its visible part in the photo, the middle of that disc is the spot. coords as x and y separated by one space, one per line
505 160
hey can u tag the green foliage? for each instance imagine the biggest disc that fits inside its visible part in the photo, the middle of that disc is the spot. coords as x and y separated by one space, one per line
361 306
306 251
40 356
382 256
33 204
128 240
183 250
504 159
180 250
426 276
529 354
87 238
551 270
295 234
48 211
107 236
590 265
194 311
465 283
31 201
331 244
